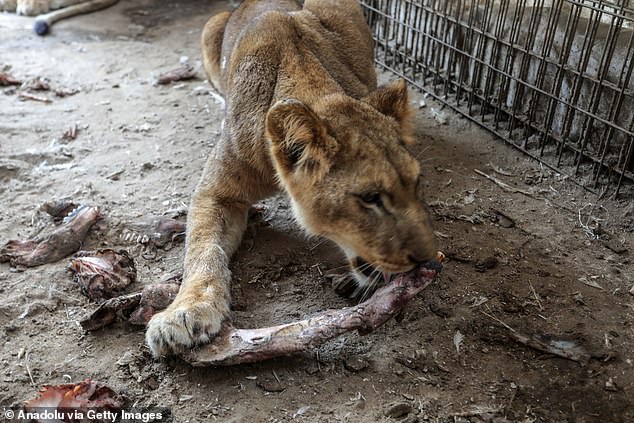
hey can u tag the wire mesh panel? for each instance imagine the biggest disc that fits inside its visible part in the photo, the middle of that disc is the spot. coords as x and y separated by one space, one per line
552 78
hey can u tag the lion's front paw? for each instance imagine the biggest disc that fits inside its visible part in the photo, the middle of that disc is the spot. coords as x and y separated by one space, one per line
182 326
32 7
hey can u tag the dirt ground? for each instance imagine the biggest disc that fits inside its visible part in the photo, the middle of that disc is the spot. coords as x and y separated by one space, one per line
539 258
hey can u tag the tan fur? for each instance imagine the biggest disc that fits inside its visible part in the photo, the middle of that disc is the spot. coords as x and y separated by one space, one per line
35 7
304 115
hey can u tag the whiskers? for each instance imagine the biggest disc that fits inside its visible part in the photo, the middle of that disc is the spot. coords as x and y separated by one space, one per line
361 281
371 282
424 159
420 152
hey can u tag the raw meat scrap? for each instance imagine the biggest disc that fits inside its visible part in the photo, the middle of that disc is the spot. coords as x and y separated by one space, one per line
68 397
103 274
136 308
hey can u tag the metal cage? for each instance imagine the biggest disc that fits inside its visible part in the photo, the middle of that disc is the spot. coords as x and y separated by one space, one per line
552 78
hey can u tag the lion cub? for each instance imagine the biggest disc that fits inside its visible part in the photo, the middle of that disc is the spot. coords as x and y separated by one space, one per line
304 115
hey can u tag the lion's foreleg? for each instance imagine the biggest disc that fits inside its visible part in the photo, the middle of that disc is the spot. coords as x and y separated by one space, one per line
215 226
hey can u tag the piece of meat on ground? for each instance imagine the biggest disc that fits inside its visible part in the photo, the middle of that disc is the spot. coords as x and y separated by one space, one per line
62 242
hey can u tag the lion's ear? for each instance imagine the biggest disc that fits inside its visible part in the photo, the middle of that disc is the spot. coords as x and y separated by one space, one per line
299 139
391 100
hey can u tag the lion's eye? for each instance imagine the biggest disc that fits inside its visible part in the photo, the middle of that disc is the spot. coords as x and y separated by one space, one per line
372 198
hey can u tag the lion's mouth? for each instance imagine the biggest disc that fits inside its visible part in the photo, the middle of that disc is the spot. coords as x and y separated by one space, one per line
366 269
368 279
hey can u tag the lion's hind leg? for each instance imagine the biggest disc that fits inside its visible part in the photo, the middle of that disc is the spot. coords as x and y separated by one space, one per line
8 5
37 7
211 43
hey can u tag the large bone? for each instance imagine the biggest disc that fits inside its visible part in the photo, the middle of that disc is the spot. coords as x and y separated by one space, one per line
236 346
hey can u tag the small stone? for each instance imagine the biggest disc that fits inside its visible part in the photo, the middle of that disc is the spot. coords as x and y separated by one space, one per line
615 246
152 383
610 385
126 359
355 364
579 298
398 409
312 368
144 127
439 116
486 264
270 385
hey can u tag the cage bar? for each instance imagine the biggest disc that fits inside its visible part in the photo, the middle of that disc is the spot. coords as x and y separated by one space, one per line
553 78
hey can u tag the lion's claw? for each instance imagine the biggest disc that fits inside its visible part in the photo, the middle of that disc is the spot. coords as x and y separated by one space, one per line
181 327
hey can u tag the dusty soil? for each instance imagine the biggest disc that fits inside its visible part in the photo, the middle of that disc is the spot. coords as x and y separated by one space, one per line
533 259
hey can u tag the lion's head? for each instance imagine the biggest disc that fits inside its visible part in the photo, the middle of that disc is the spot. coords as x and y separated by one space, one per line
352 179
